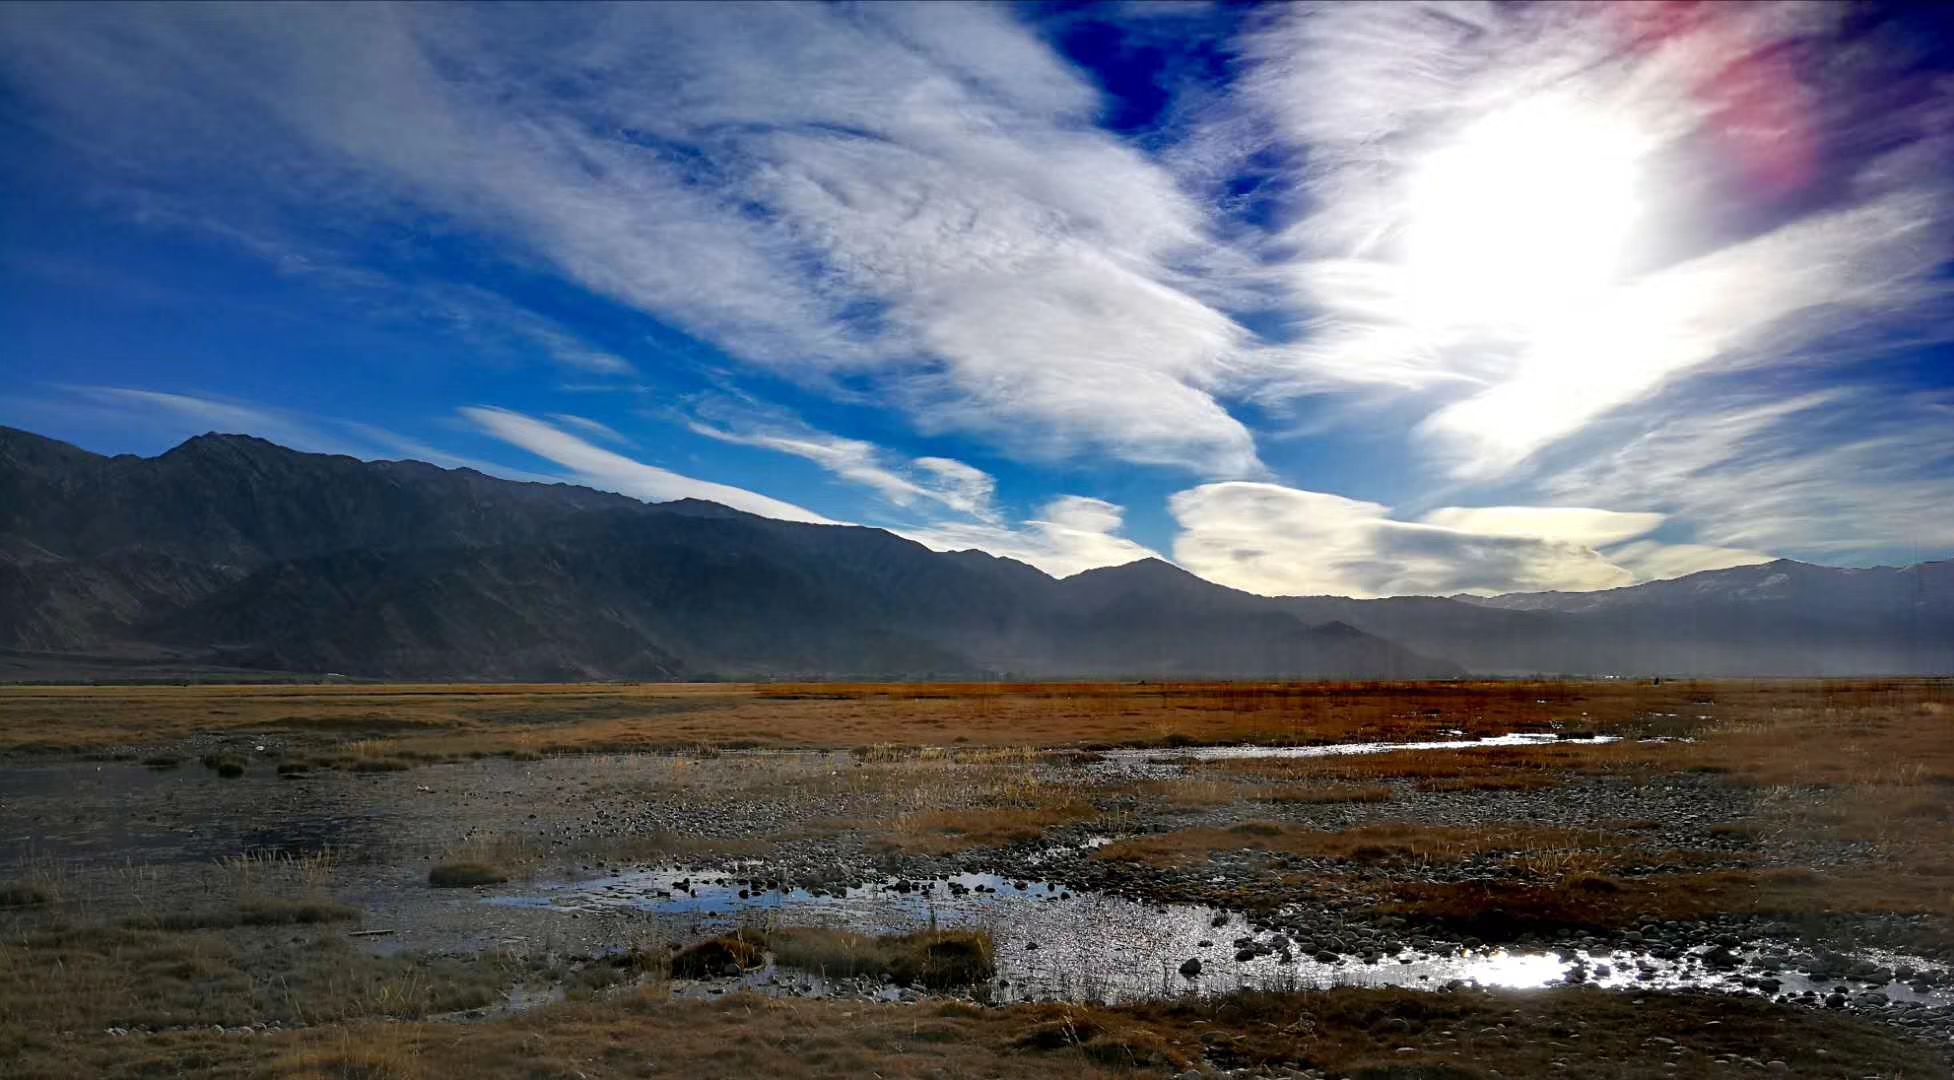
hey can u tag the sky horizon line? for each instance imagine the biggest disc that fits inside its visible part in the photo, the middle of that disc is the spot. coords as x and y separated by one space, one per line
1321 298
570 482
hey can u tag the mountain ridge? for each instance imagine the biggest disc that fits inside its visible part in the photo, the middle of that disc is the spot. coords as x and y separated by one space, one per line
235 552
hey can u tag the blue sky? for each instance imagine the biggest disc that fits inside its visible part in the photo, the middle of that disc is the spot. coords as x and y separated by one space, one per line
1350 299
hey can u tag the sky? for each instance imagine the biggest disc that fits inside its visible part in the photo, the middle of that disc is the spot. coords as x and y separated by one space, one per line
1353 299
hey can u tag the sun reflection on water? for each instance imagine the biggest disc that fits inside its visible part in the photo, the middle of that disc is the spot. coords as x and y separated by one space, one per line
1515 971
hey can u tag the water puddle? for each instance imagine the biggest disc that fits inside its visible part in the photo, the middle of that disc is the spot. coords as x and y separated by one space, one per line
1232 753
1055 943
1160 761
1059 851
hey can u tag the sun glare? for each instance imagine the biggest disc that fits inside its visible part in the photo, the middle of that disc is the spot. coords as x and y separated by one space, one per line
1524 214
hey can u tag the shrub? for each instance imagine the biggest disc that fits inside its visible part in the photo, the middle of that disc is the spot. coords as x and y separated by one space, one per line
715 956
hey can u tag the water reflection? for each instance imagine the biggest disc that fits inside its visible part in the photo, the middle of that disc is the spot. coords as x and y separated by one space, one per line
1229 753
1055 943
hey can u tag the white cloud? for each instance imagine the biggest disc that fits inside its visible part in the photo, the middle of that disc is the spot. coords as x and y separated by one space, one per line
184 415
1276 540
570 352
402 447
179 416
949 483
1072 533
1613 533
919 197
1826 475
913 207
590 427
963 488
956 501
1652 561
490 323
1731 305
596 467
1581 525
1530 340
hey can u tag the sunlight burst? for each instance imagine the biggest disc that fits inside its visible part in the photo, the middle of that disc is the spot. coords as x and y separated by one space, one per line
1527 212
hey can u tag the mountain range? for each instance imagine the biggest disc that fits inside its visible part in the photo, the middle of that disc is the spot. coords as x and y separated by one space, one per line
230 554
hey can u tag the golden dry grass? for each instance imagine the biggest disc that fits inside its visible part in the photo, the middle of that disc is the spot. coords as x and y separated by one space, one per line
1350 1032
951 767
67 977
382 724
1596 900
941 832
935 958
1367 843
948 767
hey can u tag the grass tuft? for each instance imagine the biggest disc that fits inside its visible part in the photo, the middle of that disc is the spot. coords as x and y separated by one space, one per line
936 959
261 911
24 894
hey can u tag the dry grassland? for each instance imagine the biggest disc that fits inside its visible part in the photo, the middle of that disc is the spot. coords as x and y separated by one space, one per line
1372 1034
381 725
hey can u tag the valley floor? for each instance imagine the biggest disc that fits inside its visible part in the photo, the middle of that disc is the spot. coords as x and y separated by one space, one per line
978 880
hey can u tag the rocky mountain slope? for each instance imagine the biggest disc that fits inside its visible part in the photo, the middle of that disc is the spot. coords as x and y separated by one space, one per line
232 553
235 553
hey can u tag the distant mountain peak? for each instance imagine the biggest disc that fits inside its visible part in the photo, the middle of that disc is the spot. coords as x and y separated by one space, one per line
1338 628
229 443
241 553
15 443
1149 569
702 508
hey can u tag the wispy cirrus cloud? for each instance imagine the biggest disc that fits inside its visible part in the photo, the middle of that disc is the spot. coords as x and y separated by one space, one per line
1070 534
915 196
904 483
1573 524
1828 474
175 415
1463 164
184 415
1649 560
594 466
489 321
1278 540
595 428
1520 240
942 503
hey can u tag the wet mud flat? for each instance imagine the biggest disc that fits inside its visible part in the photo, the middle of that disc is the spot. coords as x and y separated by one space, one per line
1134 877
